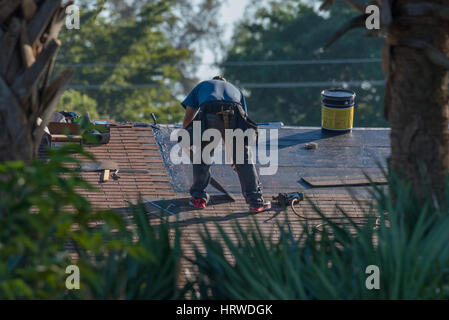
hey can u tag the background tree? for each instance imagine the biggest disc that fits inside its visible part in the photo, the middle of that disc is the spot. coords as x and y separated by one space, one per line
28 46
80 103
198 26
132 58
292 30
416 64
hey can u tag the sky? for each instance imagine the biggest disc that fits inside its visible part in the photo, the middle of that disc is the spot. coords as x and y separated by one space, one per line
232 11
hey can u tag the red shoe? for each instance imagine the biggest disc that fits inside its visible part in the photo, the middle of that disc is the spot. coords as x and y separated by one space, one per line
266 206
198 203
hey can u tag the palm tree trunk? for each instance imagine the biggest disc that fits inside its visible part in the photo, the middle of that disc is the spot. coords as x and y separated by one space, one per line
417 101
28 47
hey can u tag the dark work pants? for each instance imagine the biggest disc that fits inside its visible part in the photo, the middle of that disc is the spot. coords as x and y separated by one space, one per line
247 172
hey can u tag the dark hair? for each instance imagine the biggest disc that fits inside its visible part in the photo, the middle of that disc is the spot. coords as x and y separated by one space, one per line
219 78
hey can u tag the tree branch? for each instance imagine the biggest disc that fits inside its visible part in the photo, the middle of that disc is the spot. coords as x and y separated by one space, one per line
325 4
357 22
355 5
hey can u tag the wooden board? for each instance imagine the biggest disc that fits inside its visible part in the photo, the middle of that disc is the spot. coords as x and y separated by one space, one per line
65 138
333 181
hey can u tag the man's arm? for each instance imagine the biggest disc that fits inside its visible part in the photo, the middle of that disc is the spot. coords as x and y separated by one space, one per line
243 102
190 114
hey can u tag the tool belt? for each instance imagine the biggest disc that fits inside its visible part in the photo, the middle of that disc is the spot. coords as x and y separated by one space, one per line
225 109
219 106
228 108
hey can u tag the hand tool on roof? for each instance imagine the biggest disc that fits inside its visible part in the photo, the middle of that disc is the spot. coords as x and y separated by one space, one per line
106 167
214 183
292 199
287 199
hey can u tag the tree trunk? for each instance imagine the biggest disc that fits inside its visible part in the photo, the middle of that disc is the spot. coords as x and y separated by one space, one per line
417 99
28 47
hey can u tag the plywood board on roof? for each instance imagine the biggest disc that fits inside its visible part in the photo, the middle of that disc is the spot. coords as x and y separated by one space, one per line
333 181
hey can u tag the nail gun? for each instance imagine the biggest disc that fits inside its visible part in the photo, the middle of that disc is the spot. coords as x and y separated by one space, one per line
287 199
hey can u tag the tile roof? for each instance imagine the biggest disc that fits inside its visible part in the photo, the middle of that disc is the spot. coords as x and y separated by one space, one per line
138 146
131 147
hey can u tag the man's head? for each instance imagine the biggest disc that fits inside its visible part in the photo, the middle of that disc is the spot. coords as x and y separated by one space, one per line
219 78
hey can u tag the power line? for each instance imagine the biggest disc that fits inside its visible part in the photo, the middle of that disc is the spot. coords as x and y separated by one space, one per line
311 84
301 62
268 85
225 64
112 86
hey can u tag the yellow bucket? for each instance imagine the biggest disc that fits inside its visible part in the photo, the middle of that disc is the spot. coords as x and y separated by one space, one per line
337 110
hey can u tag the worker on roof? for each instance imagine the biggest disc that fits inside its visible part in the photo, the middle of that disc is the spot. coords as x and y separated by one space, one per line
220 105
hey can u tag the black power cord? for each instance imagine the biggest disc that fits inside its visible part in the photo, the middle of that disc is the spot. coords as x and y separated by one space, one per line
292 200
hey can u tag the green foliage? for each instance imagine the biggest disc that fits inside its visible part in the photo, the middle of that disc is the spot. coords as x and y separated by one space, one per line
133 57
144 56
80 103
139 262
45 224
409 245
32 254
291 30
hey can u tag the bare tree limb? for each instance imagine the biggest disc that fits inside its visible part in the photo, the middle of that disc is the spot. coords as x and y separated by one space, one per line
357 22
325 4
355 5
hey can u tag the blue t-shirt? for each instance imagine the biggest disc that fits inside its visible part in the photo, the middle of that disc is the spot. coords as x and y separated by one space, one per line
213 90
